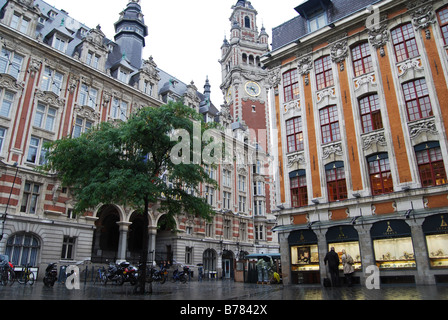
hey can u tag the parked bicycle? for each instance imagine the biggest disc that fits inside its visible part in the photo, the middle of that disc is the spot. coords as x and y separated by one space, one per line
100 276
27 276
7 274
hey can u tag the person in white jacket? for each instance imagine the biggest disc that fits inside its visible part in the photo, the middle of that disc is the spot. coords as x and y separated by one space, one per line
347 263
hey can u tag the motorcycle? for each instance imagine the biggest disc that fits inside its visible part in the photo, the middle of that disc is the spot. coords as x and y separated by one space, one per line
182 276
129 273
114 273
51 275
157 275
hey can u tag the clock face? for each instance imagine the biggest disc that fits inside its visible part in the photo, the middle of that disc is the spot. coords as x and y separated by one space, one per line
253 89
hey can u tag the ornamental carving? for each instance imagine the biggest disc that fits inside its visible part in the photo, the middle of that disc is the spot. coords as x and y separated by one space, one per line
10 83
292 106
49 97
339 52
405 66
366 79
305 65
87 113
331 93
378 37
274 77
417 129
335 149
296 158
376 138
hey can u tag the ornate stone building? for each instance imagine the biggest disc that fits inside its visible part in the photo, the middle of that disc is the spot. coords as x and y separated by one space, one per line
359 94
58 78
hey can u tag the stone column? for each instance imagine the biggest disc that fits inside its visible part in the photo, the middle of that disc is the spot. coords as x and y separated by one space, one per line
152 233
285 258
322 246
423 276
123 240
365 248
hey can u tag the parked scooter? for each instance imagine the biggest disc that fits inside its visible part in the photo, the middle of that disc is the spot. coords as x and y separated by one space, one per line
182 276
129 272
157 275
51 275
114 273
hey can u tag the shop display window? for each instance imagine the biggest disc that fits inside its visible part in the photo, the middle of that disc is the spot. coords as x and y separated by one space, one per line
305 258
352 248
394 253
437 245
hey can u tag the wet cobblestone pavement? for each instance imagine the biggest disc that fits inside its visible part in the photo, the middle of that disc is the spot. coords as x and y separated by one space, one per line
221 290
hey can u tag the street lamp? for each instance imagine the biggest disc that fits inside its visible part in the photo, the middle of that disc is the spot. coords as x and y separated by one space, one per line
15 165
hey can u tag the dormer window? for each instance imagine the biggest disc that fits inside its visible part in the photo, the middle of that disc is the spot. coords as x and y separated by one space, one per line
123 75
93 59
59 43
52 14
317 21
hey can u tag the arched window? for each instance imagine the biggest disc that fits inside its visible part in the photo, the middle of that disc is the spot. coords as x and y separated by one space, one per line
23 248
294 132
362 60
247 22
403 39
430 164
329 123
418 103
370 111
291 85
442 15
324 72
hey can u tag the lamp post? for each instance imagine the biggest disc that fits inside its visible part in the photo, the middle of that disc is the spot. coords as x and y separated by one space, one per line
15 165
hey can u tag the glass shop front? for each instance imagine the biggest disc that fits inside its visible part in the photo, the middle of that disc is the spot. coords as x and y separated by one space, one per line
435 229
345 237
392 244
304 257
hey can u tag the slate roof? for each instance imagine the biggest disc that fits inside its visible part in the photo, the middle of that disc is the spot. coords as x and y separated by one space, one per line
297 27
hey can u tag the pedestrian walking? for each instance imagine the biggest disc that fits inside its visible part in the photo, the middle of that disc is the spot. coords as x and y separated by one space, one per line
347 263
332 260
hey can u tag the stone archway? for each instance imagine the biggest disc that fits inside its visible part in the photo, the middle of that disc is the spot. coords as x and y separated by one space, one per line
106 235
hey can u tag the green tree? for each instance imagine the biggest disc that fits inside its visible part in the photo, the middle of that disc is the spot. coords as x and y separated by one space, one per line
126 163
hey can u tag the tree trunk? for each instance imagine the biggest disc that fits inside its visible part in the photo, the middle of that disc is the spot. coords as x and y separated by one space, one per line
140 288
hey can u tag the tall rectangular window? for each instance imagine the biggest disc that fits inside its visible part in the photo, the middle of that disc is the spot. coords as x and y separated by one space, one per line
329 122
81 126
30 198
362 60
291 85
336 184
294 134
324 72
299 192
442 15
405 45
418 103
119 110
370 110
52 81
36 151
68 248
45 117
7 100
380 175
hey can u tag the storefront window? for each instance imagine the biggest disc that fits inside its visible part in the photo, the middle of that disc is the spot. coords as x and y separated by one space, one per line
435 229
304 257
392 244
345 238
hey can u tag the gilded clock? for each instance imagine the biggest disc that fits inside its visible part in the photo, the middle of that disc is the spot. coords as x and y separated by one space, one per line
252 88
229 95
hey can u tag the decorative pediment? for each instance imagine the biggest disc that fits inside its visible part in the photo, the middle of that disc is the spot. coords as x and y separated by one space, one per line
10 83
50 98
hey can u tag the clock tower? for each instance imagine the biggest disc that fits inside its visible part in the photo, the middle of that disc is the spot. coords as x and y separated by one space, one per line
244 80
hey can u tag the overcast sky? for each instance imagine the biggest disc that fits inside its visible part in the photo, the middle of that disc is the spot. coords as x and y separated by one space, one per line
185 37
